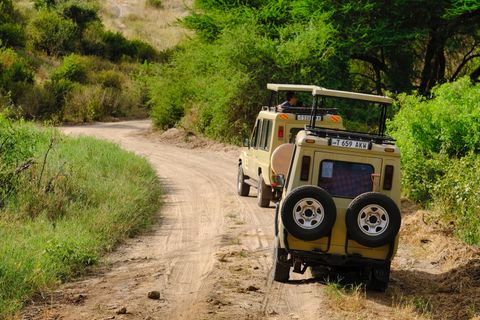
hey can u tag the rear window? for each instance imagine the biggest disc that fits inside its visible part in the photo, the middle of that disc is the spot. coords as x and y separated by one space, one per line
345 179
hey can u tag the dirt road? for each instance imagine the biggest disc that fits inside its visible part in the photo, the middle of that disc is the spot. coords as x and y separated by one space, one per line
209 256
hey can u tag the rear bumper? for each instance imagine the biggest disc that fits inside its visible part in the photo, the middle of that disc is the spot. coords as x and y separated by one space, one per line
313 258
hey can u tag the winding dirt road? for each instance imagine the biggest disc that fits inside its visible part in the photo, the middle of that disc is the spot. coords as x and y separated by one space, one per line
209 254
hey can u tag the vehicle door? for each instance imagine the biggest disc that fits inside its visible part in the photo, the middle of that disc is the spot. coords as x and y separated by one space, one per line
250 161
263 147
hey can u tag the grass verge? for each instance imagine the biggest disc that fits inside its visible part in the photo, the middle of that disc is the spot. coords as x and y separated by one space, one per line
69 200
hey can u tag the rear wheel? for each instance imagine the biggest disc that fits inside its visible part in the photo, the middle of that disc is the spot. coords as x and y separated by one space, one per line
379 277
281 269
243 188
264 193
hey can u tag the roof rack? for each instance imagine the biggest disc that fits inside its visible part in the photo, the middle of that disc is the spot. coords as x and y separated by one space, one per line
318 91
298 110
291 87
337 133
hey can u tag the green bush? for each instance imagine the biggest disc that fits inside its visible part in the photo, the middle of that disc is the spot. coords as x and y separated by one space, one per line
430 131
12 34
455 197
240 47
62 216
440 148
16 75
49 32
73 68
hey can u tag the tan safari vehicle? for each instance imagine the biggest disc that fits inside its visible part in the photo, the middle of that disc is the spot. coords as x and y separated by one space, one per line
341 196
273 128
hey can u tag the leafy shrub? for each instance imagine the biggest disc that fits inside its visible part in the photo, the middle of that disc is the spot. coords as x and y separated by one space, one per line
440 153
110 79
38 102
430 131
73 68
16 75
455 197
80 12
239 47
116 46
12 34
49 32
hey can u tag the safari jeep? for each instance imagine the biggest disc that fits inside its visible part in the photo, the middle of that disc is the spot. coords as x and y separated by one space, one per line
340 205
273 128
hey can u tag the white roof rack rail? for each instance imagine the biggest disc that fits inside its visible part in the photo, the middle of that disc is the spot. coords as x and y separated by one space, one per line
291 87
318 91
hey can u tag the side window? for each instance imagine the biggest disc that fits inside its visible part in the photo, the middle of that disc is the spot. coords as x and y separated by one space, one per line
269 135
265 136
256 134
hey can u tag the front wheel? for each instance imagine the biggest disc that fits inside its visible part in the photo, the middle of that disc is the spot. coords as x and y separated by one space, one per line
243 188
281 268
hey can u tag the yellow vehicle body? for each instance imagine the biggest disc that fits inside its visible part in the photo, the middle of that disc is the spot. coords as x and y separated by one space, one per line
318 148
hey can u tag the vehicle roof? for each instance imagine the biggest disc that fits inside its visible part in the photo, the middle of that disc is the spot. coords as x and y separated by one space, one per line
291 87
319 91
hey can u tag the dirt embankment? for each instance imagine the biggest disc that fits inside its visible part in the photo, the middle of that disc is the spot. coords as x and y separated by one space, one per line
209 255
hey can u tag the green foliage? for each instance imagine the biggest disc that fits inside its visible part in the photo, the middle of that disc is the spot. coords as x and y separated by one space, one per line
73 68
116 46
51 33
12 34
440 146
15 73
62 216
455 197
224 70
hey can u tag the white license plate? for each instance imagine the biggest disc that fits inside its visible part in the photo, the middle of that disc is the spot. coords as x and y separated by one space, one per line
350 144
307 117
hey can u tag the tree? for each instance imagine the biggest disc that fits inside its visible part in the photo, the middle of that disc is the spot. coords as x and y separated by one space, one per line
395 37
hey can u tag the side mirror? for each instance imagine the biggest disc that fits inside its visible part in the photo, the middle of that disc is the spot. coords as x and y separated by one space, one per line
246 143
280 180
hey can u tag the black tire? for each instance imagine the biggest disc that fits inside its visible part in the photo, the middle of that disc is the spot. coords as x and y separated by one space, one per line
276 218
294 213
379 278
243 188
385 223
281 269
264 193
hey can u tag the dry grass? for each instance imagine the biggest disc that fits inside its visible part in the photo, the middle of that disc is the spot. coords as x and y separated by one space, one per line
352 302
137 19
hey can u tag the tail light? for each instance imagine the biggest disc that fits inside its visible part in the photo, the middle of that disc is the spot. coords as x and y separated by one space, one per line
280 132
305 172
388 179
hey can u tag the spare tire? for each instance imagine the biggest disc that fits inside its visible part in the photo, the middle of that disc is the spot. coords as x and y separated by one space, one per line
308 213
373 219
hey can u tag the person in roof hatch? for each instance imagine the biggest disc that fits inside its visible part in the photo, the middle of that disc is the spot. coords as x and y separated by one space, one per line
291 102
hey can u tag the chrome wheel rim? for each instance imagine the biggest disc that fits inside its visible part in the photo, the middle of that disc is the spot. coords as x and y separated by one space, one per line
373 220
308 213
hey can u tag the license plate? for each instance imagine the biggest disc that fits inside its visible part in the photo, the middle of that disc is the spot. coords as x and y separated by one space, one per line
349 144
307 117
